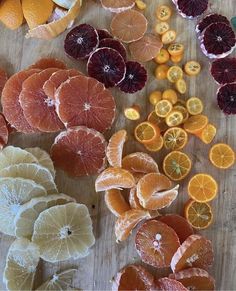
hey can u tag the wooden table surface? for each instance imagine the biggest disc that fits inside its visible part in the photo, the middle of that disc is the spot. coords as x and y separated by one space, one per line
107 257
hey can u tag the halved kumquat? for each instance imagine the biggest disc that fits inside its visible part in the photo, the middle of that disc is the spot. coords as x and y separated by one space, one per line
163 108
146 132
174 118
194 106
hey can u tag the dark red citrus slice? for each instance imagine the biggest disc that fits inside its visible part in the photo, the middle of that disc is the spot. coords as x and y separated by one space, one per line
81 41
4 133
3 80
38 108
12 109
224 70
167 284
194 279
156 243
226 98
191 8
107 66
209 19
195 252
117 6
103 33
179 224
47 63
57 78
135 78
114 44
79 151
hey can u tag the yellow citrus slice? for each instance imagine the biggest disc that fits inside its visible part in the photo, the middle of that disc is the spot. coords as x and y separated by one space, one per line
222 156
156 145
146 132
11 14
207 134
163 12
162 27
196 123
175 118
175 138
159 121
176 49
174 74
192 68
170 95
162 57
183 110
132 113
155 97
194 106
168 37
140 4
181 86
163 108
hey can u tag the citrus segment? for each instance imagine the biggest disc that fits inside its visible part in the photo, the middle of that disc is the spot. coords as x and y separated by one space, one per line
156 145
194 106
3 80
47 63
175 138
115 202
167 284
207 134
11 14
222 156
133 199
117 6
174 118
115 148
196 123
146 132
163 108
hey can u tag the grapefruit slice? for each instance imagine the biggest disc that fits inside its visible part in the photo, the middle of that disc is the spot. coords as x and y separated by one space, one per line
3 80
47 63
85 101
79 151
38 108
117 6
12 109
115 148
4 132
167 284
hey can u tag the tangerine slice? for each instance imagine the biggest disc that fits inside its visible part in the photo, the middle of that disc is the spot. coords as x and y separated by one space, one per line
222 156
196 123
146 132
117 6
85 101
133 199
4 133
115 202
167 284
194 106
11 14
163 108
175 138
115 148
129 26
127 222
207 134
79 151
47 63
195 252
114 178
3 80
174 118
156 145
156 243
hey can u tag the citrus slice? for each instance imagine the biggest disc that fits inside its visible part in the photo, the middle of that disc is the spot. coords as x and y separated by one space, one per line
192 68
168 284
146 132
29 212
11 14
196 123
47 63
194 106
174 118
175 138
114 178
195 252
159 121
156 243
163 108
21 264
63 232
156 145
133 199
176 49
170 95
181 86
162 27
3 80
169 36
163 12
183 110
202 188
162 57
198 214
174 74
222 156
115 148
14 192
177 165
132 113
154 97
207 134
79 151
129 26
4 132
117 6
127 222
161 72
67 4
115 202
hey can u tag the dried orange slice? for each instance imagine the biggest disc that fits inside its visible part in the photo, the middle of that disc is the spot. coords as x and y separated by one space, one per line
175 138
174 74
159 121
155 97
156 145
174 118
195 252
168 37
196 123
170 95
162 57
117 6
133 199
194 106
183 110
222 156
114 178
161 72
163 12
207 134
156 243
177 165
115 148
115 202
163 108
176 49
132 113
11 14
198 214
146 132
192 68
181 86
162 27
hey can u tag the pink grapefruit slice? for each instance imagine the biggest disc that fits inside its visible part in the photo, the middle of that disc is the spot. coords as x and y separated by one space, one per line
47 63
3 80
4 133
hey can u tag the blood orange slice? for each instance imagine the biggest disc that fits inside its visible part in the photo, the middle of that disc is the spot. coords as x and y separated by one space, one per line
4 133
38 108
3 80
79 151
167 284
103 33
156 243
117 6
47 63
195 252
12 109
115 148
85 101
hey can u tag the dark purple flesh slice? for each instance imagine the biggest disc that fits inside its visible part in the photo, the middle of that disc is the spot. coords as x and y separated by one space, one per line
191 8
224 70
226 98
114 44
103 33
209 19
135 78
107 66
81 41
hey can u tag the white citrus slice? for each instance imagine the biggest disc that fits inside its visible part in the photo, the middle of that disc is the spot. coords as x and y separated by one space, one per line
63 232
35 172
21 263
13 193
29 212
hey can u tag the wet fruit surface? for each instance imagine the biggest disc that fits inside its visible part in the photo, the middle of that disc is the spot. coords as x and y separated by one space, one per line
226 98
209 19
167 284
192 8
103 33
114 44
224 70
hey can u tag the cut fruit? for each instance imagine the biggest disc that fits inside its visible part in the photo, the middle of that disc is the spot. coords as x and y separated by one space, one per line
224 70
191 9
47 63
161 72
196 123
64 3
140 4
117 6
176 59
177 165
132 113
14 192
129 26
11 14
222 156
194 106
192 68
85 101
183 110
135 78
162 57
115 202
226 98
209 19
146 132
163 12
114 44
115 148
195 252
29 212
127 222
4 131
174 118
163 108
174 74
146 48
79 151
103 33
63 232
170 95
155 97
21 264
3 80
81 41
114 178
156 145
159 121
156 243
176 49
133 199
175 138
208 134
162 27
107 66
167 284
168 37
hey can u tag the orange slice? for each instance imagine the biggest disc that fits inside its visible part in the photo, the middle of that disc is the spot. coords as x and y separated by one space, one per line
155 97
163 12
207 134
202 188
132 113
168 284
177 165
183 110
175 138
192 68
174 74
114 178
162 57
159 121
117 6
163 108
176 49
170 95
174 118
196 123
146 132
11 14
222 156
115 202
194 106
168 37
115 148
156 145
156 243
162 27
198 214
133 199
181 86
161 72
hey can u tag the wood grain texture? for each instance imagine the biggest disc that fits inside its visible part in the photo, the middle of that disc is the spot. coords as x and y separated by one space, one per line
107 257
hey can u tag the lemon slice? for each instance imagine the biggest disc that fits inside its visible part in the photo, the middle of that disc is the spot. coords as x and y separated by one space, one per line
21 263
29 212
63 232
35 172
64 3
13 193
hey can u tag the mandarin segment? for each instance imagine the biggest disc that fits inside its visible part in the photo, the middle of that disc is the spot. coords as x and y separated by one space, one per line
11 14
115 202
133 199
167 284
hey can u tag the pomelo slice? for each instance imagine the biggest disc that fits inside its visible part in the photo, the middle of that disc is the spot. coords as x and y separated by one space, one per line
4 132
3 80
47 63
117 6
